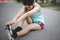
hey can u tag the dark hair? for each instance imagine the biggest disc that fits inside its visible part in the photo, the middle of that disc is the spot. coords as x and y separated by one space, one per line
28 2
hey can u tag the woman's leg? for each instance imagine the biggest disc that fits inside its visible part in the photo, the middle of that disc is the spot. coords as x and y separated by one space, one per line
29 20
20 23
30 26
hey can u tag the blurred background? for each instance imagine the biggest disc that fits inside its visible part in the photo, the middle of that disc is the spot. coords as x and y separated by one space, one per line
52 4
51 13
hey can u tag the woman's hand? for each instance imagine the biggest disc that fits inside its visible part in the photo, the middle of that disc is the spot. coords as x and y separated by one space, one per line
13 23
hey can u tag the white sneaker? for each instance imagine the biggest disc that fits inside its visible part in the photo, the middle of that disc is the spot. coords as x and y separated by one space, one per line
10 32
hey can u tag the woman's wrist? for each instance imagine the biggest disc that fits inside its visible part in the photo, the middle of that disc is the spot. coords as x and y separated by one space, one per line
14 19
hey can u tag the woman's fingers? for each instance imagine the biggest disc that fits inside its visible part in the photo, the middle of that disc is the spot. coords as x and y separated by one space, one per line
13 23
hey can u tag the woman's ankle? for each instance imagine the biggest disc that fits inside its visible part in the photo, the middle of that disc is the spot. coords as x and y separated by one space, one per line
16 30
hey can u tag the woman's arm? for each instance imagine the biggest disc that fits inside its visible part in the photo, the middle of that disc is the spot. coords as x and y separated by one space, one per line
20 13
36 9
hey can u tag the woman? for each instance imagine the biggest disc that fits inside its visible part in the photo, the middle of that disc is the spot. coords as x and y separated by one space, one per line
31 11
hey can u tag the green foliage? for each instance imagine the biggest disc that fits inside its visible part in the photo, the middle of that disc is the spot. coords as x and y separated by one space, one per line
45 4
19 1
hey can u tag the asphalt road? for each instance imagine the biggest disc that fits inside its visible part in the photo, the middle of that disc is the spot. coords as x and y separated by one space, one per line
51 30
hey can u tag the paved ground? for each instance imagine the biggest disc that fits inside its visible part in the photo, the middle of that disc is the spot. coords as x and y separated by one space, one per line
51 30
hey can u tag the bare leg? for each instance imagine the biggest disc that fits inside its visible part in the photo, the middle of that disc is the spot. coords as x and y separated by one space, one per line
31 26
29 20
28 28
20 23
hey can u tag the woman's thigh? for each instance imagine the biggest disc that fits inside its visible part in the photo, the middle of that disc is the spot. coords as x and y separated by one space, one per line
31 25
34 26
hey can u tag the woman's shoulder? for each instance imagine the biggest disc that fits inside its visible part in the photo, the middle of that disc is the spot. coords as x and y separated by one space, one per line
38 6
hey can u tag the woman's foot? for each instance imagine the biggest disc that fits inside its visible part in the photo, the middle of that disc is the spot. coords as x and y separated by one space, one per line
12 33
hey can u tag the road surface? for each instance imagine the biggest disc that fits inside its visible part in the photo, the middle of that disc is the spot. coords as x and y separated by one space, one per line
51 30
